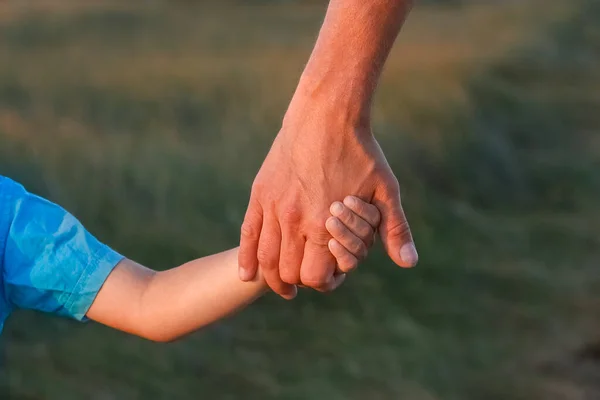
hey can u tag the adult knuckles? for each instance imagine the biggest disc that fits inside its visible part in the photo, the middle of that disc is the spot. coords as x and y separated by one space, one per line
266 257
319 234
391 190
258 185
250 229
399 229
291 216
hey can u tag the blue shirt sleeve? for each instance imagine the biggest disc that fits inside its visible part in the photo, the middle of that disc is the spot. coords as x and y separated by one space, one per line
51 263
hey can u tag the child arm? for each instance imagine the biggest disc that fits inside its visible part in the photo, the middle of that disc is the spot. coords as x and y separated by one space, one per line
49 262
162 306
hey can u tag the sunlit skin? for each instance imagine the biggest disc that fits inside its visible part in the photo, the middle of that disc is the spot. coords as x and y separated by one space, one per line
324 151
163 306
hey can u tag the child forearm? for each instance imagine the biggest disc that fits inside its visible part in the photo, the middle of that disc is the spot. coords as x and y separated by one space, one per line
183 299
166 305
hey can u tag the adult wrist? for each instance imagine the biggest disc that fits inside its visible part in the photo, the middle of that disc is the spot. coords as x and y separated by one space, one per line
329 104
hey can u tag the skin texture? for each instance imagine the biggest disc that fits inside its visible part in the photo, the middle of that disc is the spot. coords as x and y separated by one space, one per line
325 150
163 306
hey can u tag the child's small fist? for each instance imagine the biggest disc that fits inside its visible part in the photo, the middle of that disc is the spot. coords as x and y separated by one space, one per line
353 225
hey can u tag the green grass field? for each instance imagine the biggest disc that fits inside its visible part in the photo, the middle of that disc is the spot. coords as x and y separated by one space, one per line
149 121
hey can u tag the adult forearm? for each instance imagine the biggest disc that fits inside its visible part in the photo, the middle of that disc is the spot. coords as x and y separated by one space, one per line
348 57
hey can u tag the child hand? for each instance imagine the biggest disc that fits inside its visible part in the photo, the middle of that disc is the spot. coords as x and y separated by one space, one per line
353 224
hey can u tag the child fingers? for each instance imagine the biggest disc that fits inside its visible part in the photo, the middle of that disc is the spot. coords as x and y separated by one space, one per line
346 238
365 210
345 260
353 222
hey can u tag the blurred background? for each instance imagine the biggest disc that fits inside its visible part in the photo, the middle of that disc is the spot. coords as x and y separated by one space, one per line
149 119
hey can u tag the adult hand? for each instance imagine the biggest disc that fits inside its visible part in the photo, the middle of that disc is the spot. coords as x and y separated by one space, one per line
324 152
307 168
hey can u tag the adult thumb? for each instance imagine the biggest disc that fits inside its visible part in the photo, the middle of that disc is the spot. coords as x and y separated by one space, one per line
394 229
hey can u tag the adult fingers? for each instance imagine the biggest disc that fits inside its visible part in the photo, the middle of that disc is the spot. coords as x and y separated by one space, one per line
318 267
250 235
268 258
292 250
394 229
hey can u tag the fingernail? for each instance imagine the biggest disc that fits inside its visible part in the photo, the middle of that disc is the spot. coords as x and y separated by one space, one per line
292 295
350 201
337 208
408 254
245 275
339 280
330 285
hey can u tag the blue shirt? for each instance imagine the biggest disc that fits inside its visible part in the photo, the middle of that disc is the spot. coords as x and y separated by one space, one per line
48 261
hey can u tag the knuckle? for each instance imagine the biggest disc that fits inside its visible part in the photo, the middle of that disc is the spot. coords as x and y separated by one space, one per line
318 233
365 232
266 258
358 245
357 248
391 189
289 267
398 230
257 185
249 230
346 214
246 256
291 215
360 207
392 183
317 223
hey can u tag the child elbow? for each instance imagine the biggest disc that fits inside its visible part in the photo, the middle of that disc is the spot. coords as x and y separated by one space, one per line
160 338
